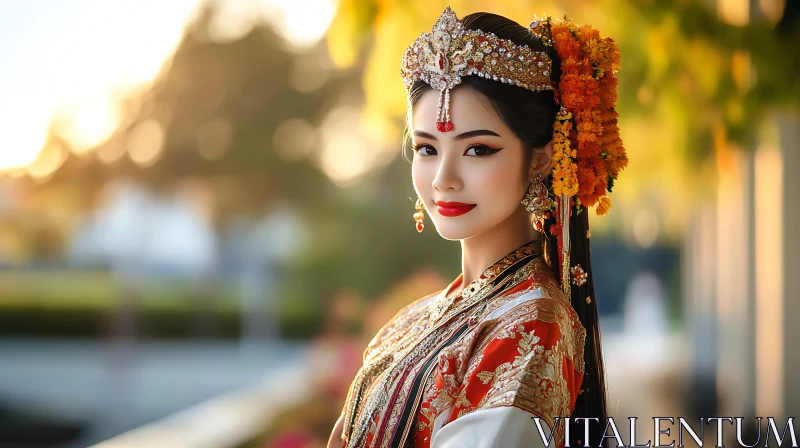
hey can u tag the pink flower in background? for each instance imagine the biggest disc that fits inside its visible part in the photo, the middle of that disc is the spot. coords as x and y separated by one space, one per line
294 438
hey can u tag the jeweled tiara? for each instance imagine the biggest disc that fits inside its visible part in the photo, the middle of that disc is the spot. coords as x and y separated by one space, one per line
449 51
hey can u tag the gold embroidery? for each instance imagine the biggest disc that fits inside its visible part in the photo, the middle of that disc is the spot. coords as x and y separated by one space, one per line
536 387
481 286
485 288
506 333
408 339
441 400
462 401
527 344
546 310
485 377
533 381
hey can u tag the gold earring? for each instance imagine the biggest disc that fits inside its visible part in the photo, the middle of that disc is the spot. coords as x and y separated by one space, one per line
419 216
535 200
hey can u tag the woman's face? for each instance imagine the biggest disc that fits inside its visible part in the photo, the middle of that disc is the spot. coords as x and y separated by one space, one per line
480 163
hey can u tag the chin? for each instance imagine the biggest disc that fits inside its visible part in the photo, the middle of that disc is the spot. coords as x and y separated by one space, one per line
457 232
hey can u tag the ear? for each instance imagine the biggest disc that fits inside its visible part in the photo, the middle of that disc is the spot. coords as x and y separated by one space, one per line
542 160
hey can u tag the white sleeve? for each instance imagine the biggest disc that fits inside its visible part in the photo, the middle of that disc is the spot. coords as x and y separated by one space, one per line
499 427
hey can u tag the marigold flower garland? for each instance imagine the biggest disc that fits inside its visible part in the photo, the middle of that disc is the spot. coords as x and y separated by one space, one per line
564 171
587 150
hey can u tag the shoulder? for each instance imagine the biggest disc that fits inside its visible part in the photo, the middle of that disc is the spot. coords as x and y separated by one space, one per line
537 304
536 295
526 350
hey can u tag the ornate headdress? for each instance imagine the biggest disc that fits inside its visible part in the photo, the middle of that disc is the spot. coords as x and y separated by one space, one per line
449 51
587 150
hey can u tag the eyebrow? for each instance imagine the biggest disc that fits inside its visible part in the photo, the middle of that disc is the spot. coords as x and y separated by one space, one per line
462 136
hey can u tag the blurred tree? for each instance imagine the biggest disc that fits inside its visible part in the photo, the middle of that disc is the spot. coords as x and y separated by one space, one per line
212 113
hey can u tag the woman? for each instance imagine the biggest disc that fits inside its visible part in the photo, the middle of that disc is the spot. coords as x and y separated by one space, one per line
514 136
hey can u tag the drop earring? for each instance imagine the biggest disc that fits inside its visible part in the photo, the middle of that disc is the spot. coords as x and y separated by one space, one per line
536 202
419 216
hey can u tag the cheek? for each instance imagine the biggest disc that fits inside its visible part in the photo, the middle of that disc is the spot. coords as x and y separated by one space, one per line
421 177
499 185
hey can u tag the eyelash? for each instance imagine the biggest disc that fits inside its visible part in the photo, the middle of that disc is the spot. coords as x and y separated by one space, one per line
489 151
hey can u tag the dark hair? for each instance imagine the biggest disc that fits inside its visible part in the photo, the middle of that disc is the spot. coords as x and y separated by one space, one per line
530 115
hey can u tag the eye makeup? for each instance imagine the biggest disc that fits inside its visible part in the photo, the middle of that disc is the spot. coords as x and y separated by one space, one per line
481 150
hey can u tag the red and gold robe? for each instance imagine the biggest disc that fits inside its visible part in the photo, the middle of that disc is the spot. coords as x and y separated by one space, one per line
474 370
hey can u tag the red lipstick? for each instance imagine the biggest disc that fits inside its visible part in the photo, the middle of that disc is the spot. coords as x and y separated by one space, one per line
453 208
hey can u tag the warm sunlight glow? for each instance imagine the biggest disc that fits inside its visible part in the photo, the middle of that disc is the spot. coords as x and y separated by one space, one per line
49 159
735 12
22 135
88 123
302 23
344 158
77 60
347 150
769 234
72 61
145 142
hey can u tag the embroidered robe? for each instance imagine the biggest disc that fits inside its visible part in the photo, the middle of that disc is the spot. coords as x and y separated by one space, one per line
475 370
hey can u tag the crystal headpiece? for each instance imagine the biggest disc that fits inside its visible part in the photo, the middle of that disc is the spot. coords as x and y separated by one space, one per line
449 51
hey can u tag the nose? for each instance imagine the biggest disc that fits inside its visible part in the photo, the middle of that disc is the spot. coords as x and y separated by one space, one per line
448 176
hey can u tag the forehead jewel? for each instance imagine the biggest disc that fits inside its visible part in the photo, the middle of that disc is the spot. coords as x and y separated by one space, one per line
449 52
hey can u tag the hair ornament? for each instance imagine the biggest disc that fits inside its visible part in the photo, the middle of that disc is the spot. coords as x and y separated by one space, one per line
579 276
541 30
587 149
450 51
587 92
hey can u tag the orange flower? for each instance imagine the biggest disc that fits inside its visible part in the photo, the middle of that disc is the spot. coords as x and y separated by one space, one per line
564 178
588 151
603 205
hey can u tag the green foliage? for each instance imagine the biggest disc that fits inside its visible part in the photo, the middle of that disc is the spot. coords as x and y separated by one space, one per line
87 304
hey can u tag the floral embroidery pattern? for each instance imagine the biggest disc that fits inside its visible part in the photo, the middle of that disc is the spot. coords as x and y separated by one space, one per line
530 356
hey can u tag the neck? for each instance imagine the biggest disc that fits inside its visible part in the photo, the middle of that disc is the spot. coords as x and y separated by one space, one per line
481 251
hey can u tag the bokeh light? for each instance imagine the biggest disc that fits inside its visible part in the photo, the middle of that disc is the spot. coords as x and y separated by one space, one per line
146 142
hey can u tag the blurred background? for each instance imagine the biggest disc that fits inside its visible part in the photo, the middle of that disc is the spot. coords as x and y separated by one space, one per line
205 214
